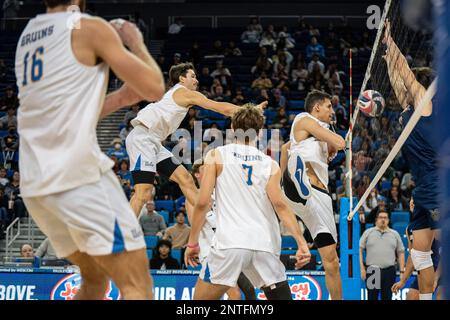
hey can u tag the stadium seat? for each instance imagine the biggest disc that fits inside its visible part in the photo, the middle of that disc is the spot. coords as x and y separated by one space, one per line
369 225
168 205
400 217
165 215
288 242
385 185
400 227
176 253
296 104
149 253
151 241
180 202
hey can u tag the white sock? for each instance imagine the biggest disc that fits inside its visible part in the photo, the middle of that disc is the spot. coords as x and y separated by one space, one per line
425 296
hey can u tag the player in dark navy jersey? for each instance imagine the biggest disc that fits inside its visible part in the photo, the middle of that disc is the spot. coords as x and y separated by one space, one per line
420 154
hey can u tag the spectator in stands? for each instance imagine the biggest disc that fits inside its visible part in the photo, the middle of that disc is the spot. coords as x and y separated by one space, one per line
281 120
4 212
131 114
239 98
176 59
10 99
267 41
250 35
279 101
341 120
3 70
125 131
362 185
263 63
195 54
117 150
407 185
315 80
152 223
9 120
337 105
46 251
218 49
255 25
314 48
219 95
335 85
382 206
280 79
26 251
205 79
383 247
262 82
213 133
12 190
124 172
10 142
271 30
162 258
395 200
284 42
176 27
283 58
299 76
372 200
179 233
222 73
232 50
316 62
366 43
163 65
285 32
3 178
192 114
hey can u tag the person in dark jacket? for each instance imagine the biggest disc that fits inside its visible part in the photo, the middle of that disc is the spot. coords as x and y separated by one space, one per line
162 259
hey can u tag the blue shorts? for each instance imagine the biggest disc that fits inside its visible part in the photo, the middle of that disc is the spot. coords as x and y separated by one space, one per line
424 218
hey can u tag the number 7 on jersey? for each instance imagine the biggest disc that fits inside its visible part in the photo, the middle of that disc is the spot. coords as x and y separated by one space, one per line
249 174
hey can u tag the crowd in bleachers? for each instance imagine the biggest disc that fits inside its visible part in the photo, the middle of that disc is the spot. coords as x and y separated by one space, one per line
252 64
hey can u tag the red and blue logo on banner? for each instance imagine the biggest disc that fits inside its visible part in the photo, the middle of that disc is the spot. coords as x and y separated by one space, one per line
67 287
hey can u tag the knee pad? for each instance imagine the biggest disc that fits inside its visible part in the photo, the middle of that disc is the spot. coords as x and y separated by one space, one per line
278 291
421 260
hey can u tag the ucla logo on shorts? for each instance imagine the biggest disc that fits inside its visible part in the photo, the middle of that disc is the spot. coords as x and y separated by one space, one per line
67 288
302 288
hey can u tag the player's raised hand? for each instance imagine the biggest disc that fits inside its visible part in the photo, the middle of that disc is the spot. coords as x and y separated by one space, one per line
129 33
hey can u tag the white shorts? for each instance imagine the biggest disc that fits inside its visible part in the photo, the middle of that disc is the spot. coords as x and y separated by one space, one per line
223 266
144 150
317 213
95 219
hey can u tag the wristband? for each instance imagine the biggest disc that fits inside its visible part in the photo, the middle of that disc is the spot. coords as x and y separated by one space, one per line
192 246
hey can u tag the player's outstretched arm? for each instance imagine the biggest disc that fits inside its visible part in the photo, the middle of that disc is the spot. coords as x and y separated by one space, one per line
286 215
186 97
201 207
135 67
322 134
415 90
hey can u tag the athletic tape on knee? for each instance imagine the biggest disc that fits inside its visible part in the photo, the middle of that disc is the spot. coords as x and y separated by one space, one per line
421 260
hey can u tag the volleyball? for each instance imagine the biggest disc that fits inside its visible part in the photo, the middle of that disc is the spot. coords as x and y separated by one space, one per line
371 103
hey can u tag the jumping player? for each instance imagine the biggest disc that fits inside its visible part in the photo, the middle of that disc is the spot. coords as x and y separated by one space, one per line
247 193
304 160
421 156
154 124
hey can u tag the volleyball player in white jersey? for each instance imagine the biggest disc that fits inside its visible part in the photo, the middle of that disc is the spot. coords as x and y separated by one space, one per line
66 181
154 124
207 233
305 180
247 195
